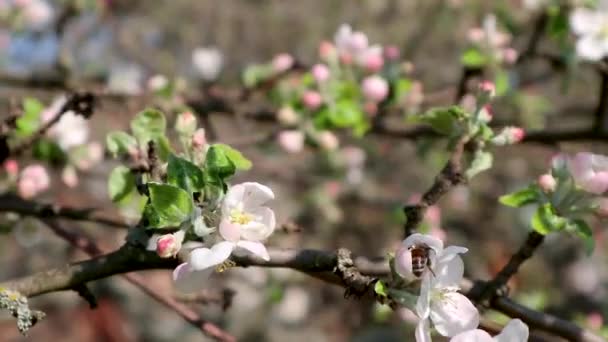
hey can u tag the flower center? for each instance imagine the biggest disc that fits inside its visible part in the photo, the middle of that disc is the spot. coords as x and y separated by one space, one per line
240 217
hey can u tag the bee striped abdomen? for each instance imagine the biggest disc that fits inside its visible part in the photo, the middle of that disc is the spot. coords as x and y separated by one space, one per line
420 259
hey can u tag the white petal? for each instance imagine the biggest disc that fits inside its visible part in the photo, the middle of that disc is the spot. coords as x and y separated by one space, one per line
180 271
403 263
514 331
203 258
179 236
423 331
262 226
230 231
256 195
256 248
233 199
584 21
424 300
453 313
422 239
448 269
590 48
342 36
476 335
152 242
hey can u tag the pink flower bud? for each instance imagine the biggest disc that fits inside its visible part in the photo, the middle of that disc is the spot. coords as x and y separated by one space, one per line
328 140
486 114
291 141
287 116
547 182
185 123
11 166
320 72
282 62
157 83
391 52
346 58
167 246
327 50
358 42
198 138
476 35
69 177
510 55
27 188
375 88
487 88
509 135
34 179
312 99
517 134
374 62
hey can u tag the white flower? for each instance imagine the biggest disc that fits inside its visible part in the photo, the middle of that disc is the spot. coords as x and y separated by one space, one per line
590 171
245 223
439 302
514 331
125 79
208 62
592 28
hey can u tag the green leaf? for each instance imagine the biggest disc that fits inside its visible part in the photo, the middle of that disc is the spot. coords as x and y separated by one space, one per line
237 158
163 147
184 174
120 183
346 114
481 162
171 204
380 289
502 82
444 120
582 229
545 220
521 197
256 74
49 151
149 124
473 58
29 122
402 87
118 142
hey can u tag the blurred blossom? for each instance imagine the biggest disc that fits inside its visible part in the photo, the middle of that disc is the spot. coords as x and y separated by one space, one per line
509 135
320 72
595 321
157 83
375 88
287 116
590 26
312 99
391 52
125 79
602 207
509 55
415 96
487 89
168 245
486 114
349 42
69 176
294 306
282 62
37 14
291 141
33 180
71 130
198 138
185 124
590 171
208 62
371 58
547 182
514 331
11 166
327 50
93 155
583 277
328 140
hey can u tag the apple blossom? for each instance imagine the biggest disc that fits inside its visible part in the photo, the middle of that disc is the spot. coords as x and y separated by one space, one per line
487 89
11 166
391 52
371 58
590 171
207 62
327 50
509 135
312 99
157 83
245 222
375 88
168 245
69 176
287 116
590 26
509 55
37 14
514 331
328 140
198 138
71 129
185 123
320 72
291 141
485 114
33 180
547 182
439 302
282 62
125 78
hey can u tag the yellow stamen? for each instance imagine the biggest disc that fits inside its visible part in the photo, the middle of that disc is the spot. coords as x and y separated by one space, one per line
225 266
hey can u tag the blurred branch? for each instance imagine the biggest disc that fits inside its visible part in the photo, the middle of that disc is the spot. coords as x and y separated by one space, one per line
601 111
12 203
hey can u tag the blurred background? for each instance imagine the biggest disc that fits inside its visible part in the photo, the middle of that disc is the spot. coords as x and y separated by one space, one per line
349 198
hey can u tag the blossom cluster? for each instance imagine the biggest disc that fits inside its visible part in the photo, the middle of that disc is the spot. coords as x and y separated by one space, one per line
439 304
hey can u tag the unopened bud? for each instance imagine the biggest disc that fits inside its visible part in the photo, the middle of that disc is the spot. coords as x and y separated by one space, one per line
485 114
327 50
547 182
287 116
375 88
391 52
185 123
291 141
320 72
198 138
282 62
11 166
312 99
167 246
157 83
328 140
487 89
509 135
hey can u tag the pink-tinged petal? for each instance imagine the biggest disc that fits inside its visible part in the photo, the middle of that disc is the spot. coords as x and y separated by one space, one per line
599 162
597 184
203 258
422 239
453 314
180 271
262 225
476 335
233 199
423 308
403 263
514 331
230 231
580 165
423 331
449 273
256 248
255 195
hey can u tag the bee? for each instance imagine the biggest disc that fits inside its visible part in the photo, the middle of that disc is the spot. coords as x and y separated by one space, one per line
421 259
